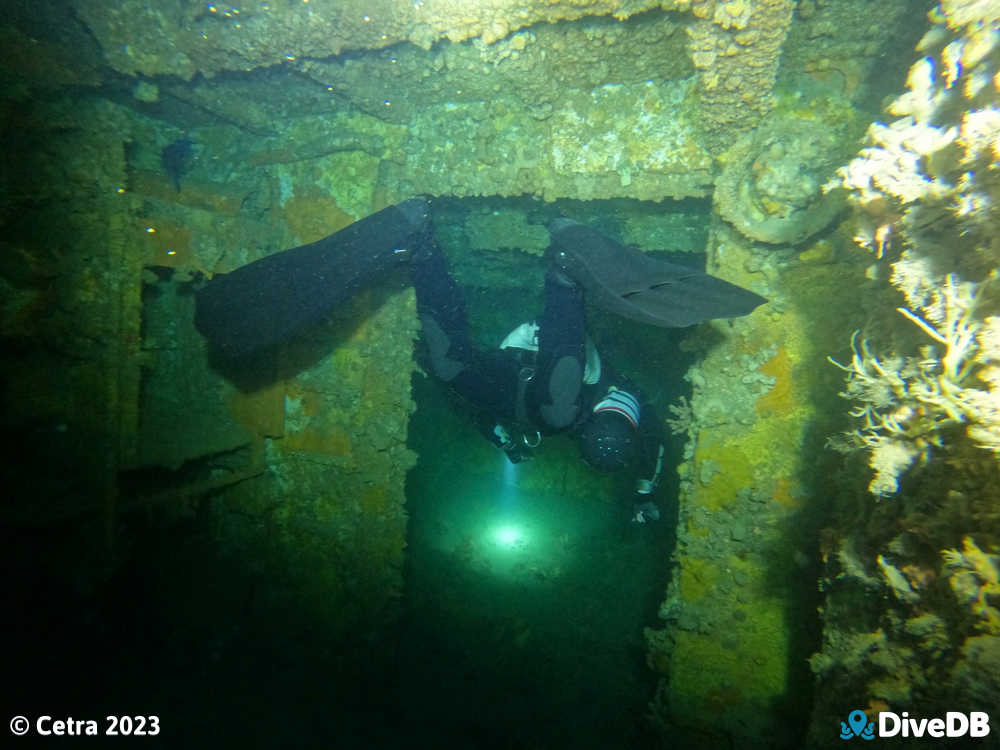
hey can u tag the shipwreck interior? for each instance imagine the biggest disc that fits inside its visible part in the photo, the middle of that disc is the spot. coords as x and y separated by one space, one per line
518 597
313 545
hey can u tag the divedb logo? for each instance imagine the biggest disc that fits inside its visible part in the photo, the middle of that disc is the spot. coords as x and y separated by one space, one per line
954 724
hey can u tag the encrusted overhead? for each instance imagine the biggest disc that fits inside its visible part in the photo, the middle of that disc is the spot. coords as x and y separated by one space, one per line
173 37
736 47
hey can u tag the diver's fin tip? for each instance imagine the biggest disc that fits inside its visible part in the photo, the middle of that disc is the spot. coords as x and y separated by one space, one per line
627 282
416 209
560 223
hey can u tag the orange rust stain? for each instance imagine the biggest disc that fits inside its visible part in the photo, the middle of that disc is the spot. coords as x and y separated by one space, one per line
329 441
262 412
313 217
723 697
210 196
310 402
362 308
733 464
780 400
167 243
320 436
784 491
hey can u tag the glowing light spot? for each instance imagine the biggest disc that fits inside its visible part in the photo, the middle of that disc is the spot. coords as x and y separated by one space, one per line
508 536
151 230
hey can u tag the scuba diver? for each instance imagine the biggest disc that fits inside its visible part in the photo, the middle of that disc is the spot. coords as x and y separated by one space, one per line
545 378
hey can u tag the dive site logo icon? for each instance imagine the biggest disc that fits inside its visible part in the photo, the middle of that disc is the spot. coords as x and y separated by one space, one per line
857 725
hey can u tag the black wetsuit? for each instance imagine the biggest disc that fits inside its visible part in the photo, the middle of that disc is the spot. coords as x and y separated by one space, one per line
555 397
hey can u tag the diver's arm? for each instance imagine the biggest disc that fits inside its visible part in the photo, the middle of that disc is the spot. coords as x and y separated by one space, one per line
649 463
511 441
649 466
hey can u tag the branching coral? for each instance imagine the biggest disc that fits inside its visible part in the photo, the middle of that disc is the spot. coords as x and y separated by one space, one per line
906 403
927 186
683 420
897 582
974 577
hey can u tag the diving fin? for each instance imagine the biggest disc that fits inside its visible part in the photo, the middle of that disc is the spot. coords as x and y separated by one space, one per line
637 286
271 299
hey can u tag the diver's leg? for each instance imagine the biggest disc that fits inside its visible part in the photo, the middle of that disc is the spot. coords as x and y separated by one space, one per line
441 308
561 357
487 379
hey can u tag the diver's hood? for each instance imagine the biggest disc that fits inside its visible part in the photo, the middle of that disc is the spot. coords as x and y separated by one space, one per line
525 336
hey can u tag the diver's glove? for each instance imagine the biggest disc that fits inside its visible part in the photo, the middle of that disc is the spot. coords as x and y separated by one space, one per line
643 509
517 450
645 512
